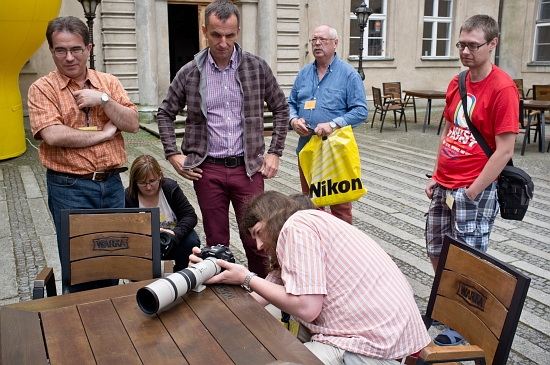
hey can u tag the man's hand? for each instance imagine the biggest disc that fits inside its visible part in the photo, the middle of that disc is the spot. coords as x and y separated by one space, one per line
299 126
110 130
430 188
270 166
87 98
323 129
190 174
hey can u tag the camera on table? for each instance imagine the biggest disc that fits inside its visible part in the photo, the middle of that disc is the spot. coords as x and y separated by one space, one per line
218 252
167 242
160 293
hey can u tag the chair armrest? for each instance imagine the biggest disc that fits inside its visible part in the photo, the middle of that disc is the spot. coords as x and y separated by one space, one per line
432 354
44 280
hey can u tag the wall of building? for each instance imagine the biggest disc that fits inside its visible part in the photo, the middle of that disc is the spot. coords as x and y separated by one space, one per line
279 31
517 44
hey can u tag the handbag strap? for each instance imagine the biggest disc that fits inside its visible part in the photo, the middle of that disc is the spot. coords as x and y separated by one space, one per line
477 134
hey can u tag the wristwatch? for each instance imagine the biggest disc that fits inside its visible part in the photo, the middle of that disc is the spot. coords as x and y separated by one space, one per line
246 284
333 125
104 99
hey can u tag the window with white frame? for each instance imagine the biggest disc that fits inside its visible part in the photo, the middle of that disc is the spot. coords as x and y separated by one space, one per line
374 37
542 33
436 38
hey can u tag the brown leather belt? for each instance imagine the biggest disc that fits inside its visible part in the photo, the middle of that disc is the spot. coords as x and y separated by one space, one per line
229 162
96 176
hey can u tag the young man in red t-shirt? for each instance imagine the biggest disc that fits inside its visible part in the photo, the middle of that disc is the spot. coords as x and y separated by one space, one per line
463 188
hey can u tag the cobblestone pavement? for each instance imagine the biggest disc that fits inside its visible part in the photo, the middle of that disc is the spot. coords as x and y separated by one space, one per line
394 164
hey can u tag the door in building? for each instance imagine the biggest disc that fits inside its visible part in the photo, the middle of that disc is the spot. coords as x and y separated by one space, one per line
183 37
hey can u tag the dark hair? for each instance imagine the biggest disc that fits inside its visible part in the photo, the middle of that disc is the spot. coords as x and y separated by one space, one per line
223 10
141 168
272 208
488 25
303 201
69 24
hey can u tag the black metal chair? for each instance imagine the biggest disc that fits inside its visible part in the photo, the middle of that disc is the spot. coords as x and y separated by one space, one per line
382 107
534 120
481 298
103 244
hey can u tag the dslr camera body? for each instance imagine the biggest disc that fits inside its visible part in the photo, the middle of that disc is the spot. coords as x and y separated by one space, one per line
218 252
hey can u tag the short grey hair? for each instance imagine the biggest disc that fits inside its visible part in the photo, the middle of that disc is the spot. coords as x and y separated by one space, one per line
223 10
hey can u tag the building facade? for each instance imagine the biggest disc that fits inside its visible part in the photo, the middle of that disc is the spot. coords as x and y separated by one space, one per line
144 42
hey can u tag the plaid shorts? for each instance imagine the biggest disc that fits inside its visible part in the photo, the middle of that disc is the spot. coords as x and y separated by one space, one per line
469 220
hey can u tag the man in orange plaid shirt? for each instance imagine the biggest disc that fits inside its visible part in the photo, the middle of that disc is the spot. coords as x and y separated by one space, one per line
79 114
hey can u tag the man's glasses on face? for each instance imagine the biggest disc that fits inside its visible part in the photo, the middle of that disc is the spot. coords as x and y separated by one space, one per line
471 47
153 182
62 52
322 40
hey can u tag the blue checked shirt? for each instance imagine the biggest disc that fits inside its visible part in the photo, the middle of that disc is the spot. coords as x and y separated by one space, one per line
340 97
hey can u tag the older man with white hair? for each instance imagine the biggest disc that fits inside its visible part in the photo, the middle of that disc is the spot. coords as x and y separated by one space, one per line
327 94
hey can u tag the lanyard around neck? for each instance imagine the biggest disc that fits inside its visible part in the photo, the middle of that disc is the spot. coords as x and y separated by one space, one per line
85 110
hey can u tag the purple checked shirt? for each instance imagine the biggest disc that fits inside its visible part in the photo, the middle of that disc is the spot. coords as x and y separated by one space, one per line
224 101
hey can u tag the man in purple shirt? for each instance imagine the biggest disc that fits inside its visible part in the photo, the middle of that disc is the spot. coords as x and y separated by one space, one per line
224 89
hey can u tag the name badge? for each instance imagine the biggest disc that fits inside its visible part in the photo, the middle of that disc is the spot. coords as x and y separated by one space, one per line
310 104
450 200
92 128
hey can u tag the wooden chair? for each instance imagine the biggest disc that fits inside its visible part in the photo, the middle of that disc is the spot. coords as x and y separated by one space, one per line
392 90
382 107
392 94
519 85
101 244
481 298
540 92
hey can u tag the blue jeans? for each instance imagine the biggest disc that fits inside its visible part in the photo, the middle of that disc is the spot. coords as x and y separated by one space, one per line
65 192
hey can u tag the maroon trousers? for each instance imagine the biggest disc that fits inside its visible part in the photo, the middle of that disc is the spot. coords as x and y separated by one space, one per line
218 187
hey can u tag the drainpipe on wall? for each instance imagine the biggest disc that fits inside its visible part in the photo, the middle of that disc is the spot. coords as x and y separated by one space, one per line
497 49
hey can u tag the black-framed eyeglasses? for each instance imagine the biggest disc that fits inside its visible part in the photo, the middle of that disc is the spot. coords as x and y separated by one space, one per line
153 182
322 40
62 52
471 47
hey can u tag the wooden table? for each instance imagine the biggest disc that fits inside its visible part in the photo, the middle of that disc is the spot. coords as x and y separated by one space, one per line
427 94
540 105
221 325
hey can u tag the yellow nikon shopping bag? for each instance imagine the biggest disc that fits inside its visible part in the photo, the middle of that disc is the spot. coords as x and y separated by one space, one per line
332 168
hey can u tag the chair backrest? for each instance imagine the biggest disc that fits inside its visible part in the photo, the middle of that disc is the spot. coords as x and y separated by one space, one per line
541 92
377 97
392 88
478 296
519 85
118 243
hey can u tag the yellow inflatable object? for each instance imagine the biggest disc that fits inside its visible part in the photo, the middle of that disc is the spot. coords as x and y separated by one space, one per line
22 30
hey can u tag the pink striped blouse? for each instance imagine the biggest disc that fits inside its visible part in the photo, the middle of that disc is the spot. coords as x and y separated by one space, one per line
368 306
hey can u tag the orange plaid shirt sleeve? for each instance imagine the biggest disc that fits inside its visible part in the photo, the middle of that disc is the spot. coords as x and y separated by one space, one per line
51 102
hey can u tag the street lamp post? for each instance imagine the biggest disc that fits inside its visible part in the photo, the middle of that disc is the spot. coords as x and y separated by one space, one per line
89 7
362 12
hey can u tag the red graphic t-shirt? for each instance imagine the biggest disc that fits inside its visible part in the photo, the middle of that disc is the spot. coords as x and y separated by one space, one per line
493 108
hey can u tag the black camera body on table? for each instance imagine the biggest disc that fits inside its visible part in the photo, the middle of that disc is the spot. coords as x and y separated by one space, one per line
218 252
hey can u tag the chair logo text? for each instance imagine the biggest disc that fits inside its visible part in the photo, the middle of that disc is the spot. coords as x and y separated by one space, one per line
471 296
110 243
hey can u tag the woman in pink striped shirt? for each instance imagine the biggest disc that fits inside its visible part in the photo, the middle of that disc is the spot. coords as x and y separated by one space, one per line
336 281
